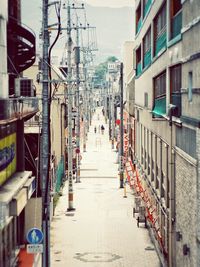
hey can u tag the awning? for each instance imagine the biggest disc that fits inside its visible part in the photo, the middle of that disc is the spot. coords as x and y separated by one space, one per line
12 187
160 107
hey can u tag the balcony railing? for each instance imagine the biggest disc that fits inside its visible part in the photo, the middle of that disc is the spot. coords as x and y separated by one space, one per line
147 58
139 68
161 42
176 24
147 7
139 25
15 108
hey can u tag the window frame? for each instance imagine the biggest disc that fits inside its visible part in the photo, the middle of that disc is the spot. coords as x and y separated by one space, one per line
162 74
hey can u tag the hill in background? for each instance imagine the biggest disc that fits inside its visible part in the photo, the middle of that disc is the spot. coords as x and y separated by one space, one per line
114 26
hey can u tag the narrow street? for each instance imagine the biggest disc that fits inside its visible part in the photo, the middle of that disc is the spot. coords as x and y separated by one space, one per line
102 230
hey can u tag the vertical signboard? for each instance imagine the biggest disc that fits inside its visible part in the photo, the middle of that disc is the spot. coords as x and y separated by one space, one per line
7 157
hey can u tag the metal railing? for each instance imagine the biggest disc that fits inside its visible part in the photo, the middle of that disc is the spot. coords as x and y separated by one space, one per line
12 108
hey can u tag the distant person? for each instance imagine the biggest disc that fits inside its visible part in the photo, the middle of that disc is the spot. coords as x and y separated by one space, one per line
102 129
95 129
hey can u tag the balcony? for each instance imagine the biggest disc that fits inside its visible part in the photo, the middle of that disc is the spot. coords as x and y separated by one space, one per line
17 108
147 58
139 68
139 25
147 7
161 41
176 24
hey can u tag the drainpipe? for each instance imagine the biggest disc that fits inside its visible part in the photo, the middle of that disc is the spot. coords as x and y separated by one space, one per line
3 49
172 244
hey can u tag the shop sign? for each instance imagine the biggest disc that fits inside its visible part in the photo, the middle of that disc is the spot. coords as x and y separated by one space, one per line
34 248
7 157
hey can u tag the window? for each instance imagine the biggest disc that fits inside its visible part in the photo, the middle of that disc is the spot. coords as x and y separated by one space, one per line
160 30
175 88
176 18
147 41
160 22
160 85
190 85
146 6
147 49
175 79
138 18
160 95
138 62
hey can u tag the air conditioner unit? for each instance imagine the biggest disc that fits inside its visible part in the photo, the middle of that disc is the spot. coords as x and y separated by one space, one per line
24 87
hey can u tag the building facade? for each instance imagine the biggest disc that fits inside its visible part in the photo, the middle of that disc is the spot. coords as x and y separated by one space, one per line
17 185
166 153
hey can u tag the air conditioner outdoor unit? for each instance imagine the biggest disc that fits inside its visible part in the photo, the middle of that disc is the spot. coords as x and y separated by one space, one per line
24 87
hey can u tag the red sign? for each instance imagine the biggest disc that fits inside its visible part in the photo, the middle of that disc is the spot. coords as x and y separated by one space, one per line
118 122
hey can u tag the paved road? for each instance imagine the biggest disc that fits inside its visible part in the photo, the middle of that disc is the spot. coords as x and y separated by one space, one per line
101 232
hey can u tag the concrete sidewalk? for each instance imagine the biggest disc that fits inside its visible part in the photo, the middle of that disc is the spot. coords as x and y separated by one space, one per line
101 232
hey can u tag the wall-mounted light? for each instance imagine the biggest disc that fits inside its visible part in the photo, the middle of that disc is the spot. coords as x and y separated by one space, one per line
186 250
178 236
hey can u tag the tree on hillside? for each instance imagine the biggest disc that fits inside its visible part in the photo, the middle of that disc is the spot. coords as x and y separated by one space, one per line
100 71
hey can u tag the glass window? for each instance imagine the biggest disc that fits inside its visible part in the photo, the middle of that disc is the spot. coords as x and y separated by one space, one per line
176 79
147 41
160 22
160 85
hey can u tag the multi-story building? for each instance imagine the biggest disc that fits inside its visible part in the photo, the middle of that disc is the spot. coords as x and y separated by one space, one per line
167 120
128 53
58 132
17 104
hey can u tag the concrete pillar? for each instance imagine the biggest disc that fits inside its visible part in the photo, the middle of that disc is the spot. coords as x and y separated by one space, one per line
198 193
3 49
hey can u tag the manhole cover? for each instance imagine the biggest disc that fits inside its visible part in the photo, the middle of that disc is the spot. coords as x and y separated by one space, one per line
57 252
69 214
149 248
97 257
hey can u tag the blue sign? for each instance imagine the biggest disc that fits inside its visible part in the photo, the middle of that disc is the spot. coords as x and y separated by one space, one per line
34 236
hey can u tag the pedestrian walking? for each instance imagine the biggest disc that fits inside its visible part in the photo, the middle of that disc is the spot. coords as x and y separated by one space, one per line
95 129
102 129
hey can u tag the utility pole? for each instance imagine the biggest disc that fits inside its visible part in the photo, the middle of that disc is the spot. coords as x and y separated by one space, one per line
109 97
77 61
121 129
45 155
69 93
113 116
85 101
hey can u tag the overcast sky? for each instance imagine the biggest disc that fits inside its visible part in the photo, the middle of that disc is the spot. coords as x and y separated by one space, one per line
110 3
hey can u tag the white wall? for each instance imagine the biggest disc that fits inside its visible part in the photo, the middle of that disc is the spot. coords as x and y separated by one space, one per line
3 49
